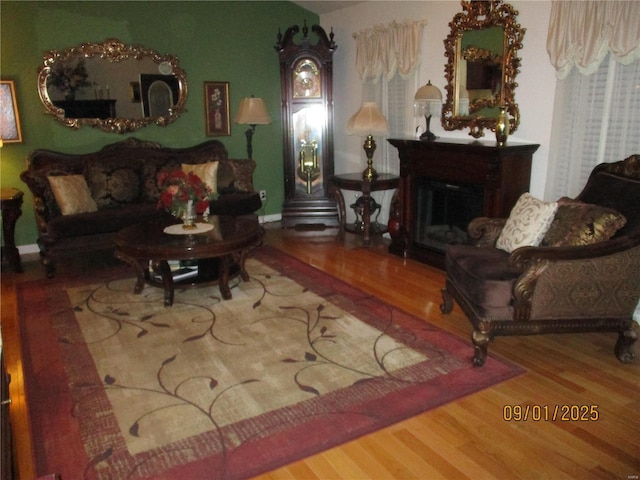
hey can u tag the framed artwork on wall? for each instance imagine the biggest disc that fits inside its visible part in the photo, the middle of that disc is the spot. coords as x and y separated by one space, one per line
216 108
10 131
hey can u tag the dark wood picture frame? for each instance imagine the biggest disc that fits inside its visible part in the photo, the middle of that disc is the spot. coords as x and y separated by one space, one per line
216 109
10 130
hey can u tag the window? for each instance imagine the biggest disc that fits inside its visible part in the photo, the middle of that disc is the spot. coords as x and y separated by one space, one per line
394 97
595 48
387 57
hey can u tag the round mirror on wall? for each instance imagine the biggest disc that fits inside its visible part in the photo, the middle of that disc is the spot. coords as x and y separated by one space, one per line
482 65
112 86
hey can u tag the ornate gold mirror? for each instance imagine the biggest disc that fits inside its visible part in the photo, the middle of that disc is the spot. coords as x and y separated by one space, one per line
112 86
482 65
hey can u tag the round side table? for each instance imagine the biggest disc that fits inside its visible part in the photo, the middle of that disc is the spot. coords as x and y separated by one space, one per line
354 181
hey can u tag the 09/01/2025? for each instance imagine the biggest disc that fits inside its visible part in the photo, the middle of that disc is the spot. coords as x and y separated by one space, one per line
553 413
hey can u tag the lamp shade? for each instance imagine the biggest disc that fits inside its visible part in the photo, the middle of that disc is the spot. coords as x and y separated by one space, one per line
427 100
368 121
428 92
252 111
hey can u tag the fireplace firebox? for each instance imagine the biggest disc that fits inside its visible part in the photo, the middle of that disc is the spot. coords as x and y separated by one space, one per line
443 211
446 183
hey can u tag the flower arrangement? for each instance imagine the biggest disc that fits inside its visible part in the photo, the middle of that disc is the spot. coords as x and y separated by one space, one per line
181 191
68 79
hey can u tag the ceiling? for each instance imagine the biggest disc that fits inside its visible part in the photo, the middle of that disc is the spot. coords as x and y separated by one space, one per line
320 6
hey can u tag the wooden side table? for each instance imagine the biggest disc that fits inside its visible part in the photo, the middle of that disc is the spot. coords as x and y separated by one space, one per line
11 207
355 182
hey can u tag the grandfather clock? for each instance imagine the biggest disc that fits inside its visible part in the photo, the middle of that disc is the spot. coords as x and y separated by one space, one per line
306 75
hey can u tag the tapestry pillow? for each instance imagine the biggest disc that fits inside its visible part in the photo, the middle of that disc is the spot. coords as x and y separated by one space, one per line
72 194
242 176
527 224
225 177
578 223
150 172
113 184
208 173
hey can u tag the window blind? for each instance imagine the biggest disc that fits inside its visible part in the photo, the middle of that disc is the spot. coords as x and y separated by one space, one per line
596 119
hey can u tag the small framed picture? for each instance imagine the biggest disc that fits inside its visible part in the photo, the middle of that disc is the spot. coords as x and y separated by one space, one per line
10 131
216 108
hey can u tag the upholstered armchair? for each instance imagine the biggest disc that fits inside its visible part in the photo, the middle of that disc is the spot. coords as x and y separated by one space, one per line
583 275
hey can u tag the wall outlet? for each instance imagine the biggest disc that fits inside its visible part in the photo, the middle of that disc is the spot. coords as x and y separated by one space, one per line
263 195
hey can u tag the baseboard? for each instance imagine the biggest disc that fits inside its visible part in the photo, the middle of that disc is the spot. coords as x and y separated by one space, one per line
27 249
270 218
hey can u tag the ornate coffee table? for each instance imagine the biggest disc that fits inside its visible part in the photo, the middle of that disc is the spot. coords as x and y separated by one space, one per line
220 251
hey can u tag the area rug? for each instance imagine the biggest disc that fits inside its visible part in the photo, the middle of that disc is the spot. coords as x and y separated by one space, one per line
121 387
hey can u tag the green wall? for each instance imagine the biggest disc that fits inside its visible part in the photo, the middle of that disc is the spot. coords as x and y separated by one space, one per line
214 41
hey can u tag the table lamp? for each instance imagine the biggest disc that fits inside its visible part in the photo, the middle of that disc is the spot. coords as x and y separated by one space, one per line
252 112
426 102
368 121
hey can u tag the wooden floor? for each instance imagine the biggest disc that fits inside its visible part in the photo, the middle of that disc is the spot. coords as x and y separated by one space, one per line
465 439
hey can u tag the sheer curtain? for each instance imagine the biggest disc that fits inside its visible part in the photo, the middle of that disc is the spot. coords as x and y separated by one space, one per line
387 57
595 48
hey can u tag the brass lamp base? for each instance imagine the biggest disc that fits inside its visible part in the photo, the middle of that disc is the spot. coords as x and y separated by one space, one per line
369 146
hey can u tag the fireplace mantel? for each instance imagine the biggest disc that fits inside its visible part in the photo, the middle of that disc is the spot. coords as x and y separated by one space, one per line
502 174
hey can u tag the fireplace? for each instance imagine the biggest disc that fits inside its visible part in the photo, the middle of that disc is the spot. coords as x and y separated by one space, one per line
442 212
446 183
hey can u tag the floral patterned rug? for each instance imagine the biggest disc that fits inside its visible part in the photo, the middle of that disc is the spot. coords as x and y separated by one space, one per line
120 386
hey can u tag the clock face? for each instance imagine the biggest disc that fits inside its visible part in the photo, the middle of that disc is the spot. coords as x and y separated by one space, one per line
306 79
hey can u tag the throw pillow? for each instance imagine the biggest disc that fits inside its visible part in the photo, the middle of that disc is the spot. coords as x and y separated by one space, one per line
38 181
527 224
72 194
208 173
114 184
242 176
150 172
578 223
225 177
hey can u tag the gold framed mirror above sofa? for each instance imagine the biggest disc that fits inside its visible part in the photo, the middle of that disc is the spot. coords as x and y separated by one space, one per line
482 65
111 86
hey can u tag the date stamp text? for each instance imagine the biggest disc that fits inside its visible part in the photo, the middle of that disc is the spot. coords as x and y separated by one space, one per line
550 413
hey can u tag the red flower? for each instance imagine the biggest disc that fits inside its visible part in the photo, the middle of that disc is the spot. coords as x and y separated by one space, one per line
201 206
179 188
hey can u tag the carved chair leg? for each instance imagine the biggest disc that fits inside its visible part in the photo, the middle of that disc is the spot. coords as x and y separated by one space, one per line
48 265
481 344
624 345
447 301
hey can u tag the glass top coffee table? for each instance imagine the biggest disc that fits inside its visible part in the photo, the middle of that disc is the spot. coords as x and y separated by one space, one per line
219 252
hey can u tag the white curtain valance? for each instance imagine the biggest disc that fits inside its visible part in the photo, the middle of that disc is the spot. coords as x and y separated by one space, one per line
581 33
385 50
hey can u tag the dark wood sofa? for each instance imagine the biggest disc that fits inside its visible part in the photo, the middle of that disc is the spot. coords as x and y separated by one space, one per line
565 287
122 178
